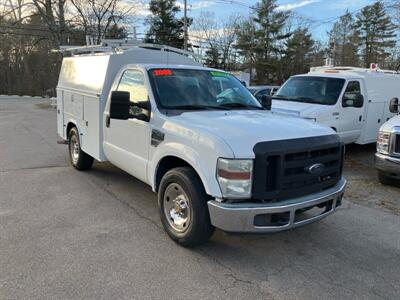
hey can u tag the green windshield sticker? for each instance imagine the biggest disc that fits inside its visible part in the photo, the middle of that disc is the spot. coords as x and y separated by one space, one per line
220 74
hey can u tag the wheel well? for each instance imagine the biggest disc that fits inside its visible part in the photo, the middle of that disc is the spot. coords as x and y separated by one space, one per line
166 164
69 127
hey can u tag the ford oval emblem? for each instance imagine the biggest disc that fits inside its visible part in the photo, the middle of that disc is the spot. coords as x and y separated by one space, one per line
315 169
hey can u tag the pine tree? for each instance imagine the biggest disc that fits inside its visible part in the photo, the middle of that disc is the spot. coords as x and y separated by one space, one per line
299 53
267 32
343 41
165 27
377 33
212 58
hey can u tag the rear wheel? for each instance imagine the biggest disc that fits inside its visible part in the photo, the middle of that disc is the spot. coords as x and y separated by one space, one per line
183 207
79 159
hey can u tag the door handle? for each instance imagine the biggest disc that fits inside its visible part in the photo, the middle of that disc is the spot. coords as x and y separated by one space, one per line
335 113
360 118
107 121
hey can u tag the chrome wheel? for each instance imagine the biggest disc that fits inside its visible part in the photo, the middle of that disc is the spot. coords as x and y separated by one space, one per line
74 149
177 207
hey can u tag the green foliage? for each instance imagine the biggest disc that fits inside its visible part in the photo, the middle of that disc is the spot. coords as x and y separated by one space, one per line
260 39
376 33
165 28
213 58
343 41
299 53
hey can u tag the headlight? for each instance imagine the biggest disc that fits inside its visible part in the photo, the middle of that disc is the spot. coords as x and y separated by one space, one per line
382 144
235 177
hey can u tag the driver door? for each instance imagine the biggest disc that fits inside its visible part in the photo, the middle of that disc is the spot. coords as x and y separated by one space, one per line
352 111
127 142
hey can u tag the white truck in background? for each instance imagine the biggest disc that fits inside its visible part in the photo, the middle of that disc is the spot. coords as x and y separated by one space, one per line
199 138
352 101
387 157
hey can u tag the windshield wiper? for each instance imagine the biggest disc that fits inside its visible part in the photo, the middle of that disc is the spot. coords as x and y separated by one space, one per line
238 104
305 99
194 107
280 97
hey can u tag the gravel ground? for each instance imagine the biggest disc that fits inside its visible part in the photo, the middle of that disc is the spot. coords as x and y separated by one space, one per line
363 184
97 235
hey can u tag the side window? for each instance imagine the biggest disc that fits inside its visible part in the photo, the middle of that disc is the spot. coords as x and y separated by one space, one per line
352 96
132 81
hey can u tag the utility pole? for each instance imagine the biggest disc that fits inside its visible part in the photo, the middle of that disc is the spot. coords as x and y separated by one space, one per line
185 35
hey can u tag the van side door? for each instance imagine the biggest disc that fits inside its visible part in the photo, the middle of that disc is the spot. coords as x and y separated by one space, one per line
127 142
352 112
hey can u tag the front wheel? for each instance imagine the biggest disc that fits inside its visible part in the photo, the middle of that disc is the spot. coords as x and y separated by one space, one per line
386 180
183 207
79 159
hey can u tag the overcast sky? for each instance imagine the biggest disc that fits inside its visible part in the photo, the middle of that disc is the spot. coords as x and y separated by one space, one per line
323 12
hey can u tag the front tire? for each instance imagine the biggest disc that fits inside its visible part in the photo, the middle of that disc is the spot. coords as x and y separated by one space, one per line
386 180
79 159
182 203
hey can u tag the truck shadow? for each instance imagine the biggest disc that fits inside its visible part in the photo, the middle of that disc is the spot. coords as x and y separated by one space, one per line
328 253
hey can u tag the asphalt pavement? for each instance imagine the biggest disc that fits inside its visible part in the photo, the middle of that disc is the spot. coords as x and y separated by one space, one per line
66 234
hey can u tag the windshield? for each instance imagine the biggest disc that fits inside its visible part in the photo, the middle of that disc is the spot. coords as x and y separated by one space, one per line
319 90
200 89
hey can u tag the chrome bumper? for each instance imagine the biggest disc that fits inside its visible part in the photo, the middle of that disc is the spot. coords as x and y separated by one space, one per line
241 217
387 164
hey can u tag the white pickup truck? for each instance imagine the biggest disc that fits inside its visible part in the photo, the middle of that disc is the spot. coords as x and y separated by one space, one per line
387 157
352 101
198 137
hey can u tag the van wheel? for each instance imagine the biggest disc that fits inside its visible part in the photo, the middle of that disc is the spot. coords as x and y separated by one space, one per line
386 180
79 159
182 203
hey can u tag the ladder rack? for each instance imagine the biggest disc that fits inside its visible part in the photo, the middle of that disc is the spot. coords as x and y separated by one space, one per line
353 69
118 46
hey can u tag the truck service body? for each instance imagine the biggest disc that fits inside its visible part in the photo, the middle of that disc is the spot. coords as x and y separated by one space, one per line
234 166
352 101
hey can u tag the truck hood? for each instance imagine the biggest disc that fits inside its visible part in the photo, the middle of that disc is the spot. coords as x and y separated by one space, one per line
389 125
242 129
298 109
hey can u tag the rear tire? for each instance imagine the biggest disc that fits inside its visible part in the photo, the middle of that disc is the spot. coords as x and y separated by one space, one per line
79 159
182 203
386 180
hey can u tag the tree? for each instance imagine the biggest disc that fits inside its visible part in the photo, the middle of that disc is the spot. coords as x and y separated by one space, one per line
299 53
165 27
260 37
52 13
377 33
343 41
212 58
219 37
97 17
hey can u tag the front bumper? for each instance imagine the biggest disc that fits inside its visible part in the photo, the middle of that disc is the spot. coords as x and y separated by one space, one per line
387 164
273 217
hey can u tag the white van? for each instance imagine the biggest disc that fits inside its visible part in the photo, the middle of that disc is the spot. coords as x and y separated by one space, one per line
352 101
199 138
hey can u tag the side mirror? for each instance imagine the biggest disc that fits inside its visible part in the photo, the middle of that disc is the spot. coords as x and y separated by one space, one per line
394 105
141 110
266 101
120 104
357 100
143 105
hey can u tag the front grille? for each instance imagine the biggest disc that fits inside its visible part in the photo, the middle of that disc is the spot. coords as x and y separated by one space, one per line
397 144
282 168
